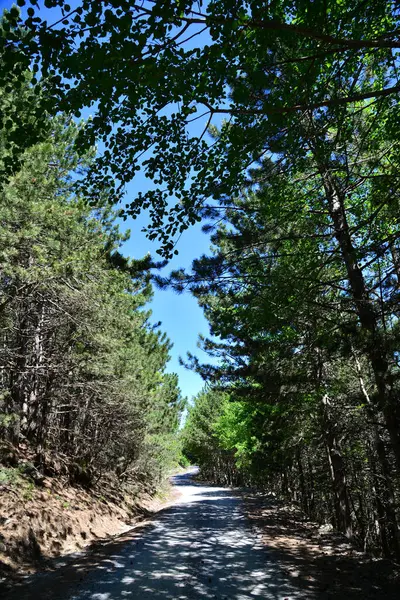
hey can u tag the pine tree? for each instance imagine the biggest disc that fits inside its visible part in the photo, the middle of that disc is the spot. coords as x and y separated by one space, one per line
83 383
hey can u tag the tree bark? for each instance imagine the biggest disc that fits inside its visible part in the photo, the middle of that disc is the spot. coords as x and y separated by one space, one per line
338 475
385 496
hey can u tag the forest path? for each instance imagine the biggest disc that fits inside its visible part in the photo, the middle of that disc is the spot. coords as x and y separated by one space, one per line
200 548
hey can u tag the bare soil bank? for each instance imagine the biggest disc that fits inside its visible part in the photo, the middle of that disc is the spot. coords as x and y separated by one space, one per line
54 519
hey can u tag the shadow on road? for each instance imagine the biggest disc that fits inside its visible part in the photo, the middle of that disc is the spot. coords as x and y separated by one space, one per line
194 550
199 549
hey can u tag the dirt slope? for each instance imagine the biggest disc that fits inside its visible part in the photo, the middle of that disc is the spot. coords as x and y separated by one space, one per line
39 522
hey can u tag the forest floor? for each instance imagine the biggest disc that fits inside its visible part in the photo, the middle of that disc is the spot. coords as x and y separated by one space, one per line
39 522
320 562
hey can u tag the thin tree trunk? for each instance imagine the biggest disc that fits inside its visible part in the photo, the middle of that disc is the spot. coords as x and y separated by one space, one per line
396 260
303 491
381 516
337 471
384 490
37 358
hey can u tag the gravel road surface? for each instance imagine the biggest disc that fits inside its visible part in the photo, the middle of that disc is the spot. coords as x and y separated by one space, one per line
200 548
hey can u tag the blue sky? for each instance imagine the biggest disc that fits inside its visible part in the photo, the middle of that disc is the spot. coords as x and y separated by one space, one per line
181 317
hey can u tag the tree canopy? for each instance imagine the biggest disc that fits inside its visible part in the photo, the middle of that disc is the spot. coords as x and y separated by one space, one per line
148 70
301 292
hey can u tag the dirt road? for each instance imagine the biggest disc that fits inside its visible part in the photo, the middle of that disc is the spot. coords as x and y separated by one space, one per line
200 548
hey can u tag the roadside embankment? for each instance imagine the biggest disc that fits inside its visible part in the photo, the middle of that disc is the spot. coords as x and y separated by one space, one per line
54 518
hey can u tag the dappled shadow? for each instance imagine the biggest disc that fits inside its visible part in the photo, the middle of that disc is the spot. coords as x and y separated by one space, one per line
322 566
203 547
198 549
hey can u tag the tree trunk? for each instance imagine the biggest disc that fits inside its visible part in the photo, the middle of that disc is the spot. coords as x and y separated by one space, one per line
36 360
374 344
396 260
385 496
303 490
337 471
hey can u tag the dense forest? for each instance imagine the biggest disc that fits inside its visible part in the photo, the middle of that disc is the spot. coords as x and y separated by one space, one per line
84 390
303 290
277 125
304 400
